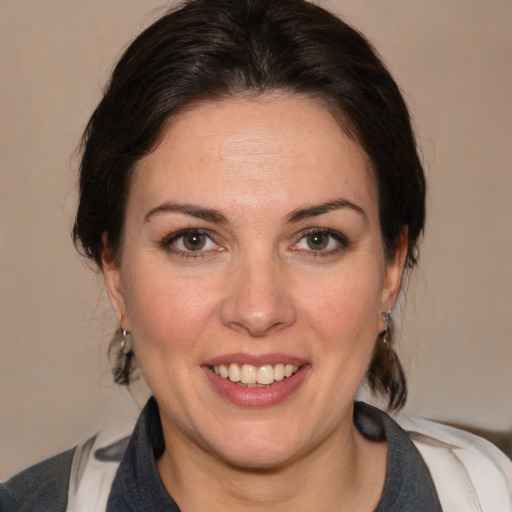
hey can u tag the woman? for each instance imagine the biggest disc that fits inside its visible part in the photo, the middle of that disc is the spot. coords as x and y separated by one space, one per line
251 190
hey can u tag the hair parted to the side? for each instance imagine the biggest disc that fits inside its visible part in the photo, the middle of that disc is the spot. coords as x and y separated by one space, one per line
209 50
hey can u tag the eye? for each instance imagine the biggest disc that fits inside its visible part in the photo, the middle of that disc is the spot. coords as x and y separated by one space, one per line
188 241
321 241
192 242
317 241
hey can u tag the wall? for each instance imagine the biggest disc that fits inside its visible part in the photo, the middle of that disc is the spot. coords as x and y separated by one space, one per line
454 61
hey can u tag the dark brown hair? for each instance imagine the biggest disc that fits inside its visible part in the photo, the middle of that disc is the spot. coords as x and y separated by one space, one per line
216 49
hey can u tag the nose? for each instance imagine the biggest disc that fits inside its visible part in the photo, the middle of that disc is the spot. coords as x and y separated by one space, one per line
259 299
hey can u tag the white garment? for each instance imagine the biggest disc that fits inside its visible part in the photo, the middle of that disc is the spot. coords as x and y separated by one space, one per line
470 474
91 479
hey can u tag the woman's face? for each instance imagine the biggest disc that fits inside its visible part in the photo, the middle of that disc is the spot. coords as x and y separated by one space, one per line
253 251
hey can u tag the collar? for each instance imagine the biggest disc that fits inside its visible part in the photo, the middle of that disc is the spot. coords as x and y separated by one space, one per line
138 486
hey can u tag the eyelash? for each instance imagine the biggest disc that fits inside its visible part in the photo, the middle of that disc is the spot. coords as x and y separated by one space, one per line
168 243
340 238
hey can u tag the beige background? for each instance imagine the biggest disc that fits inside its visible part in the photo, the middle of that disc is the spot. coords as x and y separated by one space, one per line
454 60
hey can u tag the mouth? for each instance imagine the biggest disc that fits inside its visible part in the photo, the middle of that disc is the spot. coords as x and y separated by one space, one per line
252 376
257 381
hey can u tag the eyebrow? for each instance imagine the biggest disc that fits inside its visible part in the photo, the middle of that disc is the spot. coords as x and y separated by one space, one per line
188 209
320 209
217 217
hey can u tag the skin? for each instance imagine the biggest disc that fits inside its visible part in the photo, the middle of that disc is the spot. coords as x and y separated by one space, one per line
257 286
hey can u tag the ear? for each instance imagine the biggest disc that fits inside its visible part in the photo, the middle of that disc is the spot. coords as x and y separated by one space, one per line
393 274
114 284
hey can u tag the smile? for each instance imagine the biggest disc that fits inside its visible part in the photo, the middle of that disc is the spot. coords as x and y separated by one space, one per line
248 375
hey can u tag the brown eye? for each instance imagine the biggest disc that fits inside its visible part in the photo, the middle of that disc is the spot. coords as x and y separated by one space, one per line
321 242
191 241
194 241
317 241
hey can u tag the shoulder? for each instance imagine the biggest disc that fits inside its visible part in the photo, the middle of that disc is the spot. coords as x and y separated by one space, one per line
94 467
43 487
469 472
79 479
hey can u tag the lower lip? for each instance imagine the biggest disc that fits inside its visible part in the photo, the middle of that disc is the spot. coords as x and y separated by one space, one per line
257 397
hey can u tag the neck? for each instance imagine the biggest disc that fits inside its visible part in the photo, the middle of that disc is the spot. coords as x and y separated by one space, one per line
346 472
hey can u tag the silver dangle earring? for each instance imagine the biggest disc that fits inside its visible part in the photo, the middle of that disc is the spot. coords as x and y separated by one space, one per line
126 345
384 335
124 359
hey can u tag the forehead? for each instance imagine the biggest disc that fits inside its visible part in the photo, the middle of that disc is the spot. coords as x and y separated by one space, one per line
268 150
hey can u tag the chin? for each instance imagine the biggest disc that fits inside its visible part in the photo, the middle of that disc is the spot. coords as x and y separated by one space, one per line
256 458
254 448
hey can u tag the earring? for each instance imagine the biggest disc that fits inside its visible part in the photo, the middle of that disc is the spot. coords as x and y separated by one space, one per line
124 357
384 335
126 345
386 375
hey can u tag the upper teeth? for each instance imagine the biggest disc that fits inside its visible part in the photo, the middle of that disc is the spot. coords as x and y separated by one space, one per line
249 374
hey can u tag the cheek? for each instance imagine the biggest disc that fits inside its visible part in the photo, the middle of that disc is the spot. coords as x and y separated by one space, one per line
345 308
169 312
